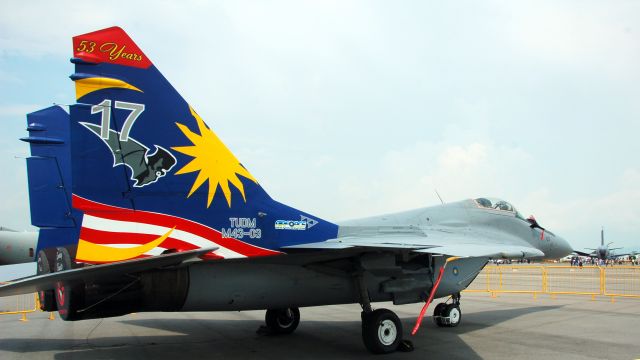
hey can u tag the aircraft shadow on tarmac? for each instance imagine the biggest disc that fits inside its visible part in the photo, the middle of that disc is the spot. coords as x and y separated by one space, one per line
191 338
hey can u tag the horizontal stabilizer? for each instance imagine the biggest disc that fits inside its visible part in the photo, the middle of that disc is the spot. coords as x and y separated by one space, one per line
90 273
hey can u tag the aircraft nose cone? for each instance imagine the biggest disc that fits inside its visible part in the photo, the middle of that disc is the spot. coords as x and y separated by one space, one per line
563 248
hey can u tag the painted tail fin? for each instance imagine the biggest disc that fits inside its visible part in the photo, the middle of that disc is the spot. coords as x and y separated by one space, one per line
150 176
49 176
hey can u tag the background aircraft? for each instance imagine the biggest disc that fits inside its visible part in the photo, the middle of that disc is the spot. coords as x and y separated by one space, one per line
143 208
17 247
603 252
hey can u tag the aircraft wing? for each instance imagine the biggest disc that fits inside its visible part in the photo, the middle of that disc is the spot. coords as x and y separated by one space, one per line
490 251
619 255
89 273
584 253
434 242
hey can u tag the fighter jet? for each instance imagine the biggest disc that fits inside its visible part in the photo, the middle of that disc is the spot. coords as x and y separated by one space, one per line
17 247
203 235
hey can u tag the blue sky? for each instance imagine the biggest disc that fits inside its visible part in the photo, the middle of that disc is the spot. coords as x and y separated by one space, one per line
354 108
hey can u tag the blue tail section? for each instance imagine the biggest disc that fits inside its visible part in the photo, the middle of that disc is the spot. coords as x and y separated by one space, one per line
145 166
49 175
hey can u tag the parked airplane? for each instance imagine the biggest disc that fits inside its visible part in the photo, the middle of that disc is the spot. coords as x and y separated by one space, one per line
17 247
603 252
143 208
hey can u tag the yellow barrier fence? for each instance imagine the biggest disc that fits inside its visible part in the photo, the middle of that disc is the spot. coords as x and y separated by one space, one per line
555 280
621 281
19 305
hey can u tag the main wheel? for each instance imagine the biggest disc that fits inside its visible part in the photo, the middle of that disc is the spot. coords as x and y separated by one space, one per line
46 298
437 314
452 315
69 297
381 331
282 321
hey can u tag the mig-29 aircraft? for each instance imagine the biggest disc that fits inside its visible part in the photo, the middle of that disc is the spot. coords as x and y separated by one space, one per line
143 208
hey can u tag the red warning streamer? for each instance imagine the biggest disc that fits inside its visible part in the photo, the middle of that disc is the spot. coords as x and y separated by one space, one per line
426 305
431 294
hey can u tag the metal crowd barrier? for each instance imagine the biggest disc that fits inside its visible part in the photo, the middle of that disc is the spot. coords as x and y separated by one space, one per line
19 305
617 281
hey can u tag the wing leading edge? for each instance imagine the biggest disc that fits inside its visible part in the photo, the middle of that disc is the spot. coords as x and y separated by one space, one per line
444 243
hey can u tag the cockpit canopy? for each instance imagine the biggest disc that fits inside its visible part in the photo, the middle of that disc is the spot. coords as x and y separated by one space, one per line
497 204
503 207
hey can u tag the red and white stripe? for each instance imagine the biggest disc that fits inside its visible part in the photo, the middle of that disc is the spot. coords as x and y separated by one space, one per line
121 227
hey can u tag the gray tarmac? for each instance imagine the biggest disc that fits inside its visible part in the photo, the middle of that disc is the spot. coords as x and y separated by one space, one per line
507 327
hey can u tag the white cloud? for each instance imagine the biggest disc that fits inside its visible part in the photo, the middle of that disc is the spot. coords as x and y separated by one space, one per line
458 158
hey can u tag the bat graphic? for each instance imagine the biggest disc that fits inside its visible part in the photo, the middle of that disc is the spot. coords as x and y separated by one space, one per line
145 168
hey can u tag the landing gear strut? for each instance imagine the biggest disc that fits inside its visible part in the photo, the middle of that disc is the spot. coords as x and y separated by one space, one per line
448 315
381 328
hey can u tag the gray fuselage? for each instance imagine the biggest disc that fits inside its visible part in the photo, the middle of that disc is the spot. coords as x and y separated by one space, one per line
391 274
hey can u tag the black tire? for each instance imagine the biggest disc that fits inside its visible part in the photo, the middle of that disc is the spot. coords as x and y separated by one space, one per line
453 315
46 298
282 321
69 297
437 314
381 331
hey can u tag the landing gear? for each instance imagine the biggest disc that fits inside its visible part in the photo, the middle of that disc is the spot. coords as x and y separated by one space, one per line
68 296
381 328
448 315
282 321
46 298
381 331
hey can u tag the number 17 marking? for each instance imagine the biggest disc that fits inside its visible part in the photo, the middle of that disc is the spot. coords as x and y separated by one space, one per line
105 109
